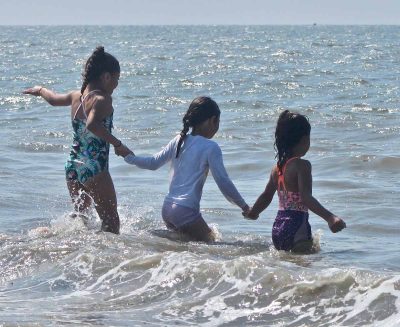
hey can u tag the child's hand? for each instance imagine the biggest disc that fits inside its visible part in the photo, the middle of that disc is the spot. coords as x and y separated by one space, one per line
33 91
336 224
245 211
249 215
122 150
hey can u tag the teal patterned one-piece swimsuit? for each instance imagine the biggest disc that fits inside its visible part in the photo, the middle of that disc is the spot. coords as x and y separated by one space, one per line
89 153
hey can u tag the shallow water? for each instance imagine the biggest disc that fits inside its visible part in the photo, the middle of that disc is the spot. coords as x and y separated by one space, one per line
57 271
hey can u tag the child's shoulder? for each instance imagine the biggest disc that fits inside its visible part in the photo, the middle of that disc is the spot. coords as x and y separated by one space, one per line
75 94
206 146
102 97
102 102
205 141
274 173
211 143
293 165
213 146
302 164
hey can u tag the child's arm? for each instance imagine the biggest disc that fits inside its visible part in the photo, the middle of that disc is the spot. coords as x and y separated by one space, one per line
102 107
51 97
335 223
154 162
264 199
222 179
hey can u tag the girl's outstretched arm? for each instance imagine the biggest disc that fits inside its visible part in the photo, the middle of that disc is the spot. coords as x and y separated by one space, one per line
51 97
264 199
154 162
335 223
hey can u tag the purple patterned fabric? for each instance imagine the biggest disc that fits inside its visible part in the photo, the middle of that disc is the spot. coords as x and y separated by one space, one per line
290 227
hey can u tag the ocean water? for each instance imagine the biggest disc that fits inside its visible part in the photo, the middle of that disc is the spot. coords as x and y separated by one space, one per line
55 271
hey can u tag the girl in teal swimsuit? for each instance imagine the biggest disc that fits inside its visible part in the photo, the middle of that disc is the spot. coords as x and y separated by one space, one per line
92 114
89 153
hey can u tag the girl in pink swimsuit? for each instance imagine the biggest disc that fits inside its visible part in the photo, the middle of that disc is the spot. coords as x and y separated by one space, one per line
291 177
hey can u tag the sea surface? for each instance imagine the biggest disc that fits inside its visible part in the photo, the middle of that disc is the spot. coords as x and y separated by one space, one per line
56 271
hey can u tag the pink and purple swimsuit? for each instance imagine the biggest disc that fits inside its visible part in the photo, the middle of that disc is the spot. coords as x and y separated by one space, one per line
291 223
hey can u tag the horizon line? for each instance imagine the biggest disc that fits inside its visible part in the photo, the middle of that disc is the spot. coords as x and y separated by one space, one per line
200 24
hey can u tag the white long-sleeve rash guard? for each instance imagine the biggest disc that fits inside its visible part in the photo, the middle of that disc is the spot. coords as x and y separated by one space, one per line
189 171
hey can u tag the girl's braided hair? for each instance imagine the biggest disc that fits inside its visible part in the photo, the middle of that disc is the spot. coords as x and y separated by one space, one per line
290 128
98 63
201 109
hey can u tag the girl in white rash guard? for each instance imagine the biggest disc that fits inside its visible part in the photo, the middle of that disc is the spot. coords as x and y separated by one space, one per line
192 156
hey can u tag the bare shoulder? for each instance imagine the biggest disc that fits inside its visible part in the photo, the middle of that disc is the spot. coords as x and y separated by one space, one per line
303 165
102 99
102 102
75 95
274 174
274 171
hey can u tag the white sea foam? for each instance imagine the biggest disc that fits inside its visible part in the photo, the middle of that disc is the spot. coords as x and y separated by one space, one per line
56 268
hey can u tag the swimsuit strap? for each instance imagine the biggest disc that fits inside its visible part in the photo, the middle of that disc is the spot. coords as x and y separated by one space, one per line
82 105
281 174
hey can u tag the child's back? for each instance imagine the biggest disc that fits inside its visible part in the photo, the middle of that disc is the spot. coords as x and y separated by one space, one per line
292 179
189 170
291 224
192 156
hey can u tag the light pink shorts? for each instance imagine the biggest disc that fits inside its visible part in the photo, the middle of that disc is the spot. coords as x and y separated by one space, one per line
176 216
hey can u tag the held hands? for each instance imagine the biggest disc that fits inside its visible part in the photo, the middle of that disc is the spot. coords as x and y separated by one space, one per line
122 150
336 224
248 214
33 90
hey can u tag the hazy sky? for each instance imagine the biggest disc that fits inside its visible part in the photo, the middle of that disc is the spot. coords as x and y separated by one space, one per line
171 12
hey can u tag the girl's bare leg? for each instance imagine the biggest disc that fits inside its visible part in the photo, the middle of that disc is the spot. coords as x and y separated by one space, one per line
101 189
304 247
198 231
79 196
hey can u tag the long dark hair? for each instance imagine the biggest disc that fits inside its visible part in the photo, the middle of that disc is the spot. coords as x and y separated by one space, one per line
98 63
201 109
290 128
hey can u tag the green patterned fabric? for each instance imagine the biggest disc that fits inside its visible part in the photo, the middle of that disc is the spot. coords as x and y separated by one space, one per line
89 153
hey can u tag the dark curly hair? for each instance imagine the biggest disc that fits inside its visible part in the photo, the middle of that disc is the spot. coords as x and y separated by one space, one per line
201 109
98 63
290 128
